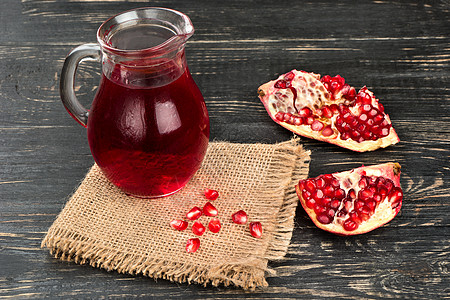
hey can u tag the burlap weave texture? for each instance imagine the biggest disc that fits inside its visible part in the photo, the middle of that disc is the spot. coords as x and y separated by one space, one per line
105 228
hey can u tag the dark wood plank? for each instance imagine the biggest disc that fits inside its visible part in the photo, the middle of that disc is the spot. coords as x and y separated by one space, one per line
399 49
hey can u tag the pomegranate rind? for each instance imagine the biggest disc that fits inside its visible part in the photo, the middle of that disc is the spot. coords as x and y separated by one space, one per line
319 97
383 214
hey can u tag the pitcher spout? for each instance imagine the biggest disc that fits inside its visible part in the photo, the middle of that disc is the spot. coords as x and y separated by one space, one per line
151 30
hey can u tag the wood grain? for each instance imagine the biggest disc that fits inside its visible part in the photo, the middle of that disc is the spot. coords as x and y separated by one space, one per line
399 49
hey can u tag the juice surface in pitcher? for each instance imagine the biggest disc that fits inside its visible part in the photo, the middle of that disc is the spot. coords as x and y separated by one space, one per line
149 140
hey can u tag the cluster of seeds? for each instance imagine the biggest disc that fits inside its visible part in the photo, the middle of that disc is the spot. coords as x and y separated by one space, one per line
357 118
368 123
351 207
336 85
214 224
306 117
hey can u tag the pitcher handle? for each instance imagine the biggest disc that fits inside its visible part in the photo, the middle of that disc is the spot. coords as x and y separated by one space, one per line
67 81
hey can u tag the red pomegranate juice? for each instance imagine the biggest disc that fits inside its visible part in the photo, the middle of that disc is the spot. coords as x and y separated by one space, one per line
149 141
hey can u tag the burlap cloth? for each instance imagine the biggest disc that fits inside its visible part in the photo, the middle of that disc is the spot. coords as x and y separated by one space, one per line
105 228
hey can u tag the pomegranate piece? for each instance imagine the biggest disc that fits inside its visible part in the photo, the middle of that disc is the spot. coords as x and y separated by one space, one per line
329 110
198 228
192 245
240 217
179 224
194 213
214 225
210 210
256 229
211 194
355 201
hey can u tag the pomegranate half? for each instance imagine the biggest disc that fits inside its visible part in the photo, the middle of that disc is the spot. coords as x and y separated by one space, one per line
353 202
327 109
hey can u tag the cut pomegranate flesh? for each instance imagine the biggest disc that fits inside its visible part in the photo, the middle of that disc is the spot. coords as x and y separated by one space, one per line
329 110
214 225
240 217
211 194
210 210
179 224
192 245
256 229
194 213
198 228
355 201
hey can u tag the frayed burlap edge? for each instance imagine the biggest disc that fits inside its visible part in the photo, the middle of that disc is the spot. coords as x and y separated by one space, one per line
249 274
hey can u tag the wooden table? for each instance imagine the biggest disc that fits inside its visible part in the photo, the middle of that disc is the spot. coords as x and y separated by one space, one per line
399 49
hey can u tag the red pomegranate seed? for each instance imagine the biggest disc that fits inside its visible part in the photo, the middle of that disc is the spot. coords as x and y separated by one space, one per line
334 86
348 204
289 76
317 125
192 245
287 117
306 194
328 190
194 213
339 194
384 132
335 204
301 184
327 131
179 224
363 182
319 209
324 219
345 89
372 205
352 194
338 78
354 216
256 229
363 117
214 225
198 228
317 195
309 120
210 210
298 121
310 202
280 84
327 112
279 116
351 94
292 120
331 212
240 217
365 194
326 78
345 136
349 225
396 195
326 201
305 112
211 194
310 185
320 182
358 204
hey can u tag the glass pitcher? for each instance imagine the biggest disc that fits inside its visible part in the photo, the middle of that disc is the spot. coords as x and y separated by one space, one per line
148 127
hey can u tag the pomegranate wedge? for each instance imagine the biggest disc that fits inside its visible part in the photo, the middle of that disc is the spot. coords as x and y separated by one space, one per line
355 201
327 109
